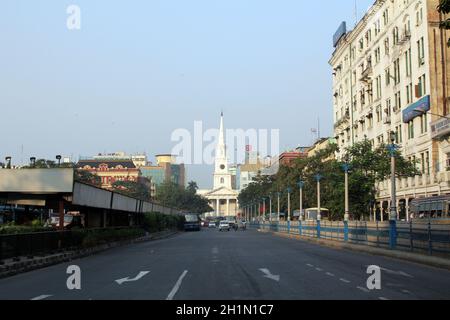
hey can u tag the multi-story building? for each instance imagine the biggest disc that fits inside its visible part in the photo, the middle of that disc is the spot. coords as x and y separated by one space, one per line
320 145
390 74
110 170
166 169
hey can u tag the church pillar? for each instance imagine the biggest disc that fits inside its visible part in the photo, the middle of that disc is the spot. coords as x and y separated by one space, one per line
217 207
228 207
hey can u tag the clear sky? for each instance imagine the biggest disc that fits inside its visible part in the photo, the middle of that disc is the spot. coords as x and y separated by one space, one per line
138 70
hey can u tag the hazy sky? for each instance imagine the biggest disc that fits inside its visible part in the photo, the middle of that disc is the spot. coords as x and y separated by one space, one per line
138 70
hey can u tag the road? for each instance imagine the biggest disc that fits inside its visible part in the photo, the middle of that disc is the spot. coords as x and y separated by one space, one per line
210 265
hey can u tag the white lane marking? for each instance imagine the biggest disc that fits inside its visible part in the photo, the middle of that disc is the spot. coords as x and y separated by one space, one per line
344 280
330 274
399 273
42 297
269 275
406 291
363 289
215 250
318 269
310 265
138 277
383 298
177 286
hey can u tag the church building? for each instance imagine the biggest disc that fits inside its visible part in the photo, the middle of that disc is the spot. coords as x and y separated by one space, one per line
223 197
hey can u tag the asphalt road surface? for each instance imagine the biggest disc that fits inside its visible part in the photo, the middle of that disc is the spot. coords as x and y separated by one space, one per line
243 265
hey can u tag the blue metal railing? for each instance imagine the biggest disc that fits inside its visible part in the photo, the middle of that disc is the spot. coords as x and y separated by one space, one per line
432 237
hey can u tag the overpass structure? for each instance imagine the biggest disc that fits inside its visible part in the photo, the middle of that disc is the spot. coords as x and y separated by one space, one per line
56 190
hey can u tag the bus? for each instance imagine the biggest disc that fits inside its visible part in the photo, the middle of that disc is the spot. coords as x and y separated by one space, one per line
311 214
192 222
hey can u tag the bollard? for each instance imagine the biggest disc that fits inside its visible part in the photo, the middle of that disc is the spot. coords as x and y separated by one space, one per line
430 245
318 229
392 234
346 231
300 231
289 227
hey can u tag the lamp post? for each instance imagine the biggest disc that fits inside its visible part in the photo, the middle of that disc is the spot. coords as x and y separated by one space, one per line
270 209
8 162
278 196
346 168
318 177
393 212
289 190
301 185
32 162
58 157
263 209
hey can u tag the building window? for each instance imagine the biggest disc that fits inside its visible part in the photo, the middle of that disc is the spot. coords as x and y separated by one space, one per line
421 88
421 51
222 180
424 123
386 17
419 16
409 94
397 71
387 75
378 84
395 35
411 129
398 101
408 62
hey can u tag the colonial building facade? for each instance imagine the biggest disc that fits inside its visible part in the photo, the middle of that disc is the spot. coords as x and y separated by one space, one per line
111 171
390 74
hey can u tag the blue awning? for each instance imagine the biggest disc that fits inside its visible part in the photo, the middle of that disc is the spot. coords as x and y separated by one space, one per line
417 109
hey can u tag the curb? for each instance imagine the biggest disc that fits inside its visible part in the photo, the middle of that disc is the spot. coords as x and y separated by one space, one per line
437 262
8 270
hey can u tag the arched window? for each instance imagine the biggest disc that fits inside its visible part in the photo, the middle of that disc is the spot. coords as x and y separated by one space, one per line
222 180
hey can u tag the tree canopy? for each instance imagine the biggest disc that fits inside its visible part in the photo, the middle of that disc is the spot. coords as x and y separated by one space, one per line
173 195
444 8
367 167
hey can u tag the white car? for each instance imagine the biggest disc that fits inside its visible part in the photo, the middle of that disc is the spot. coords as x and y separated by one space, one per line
224 226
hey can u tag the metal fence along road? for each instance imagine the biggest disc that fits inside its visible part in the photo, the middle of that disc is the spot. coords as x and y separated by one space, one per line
429 237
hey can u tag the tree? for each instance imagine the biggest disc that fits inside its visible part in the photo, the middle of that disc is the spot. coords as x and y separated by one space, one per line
87 177
173 195
133 189
444 8
368 166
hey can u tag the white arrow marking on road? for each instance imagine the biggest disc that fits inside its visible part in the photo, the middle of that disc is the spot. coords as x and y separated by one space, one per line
177 286
42 297
269 275
400 273
127 279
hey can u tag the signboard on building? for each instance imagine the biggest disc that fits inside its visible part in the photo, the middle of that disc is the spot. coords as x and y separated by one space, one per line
416 109
440 128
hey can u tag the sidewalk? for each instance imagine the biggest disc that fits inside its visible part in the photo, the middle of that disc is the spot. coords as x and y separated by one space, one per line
24 264
397 254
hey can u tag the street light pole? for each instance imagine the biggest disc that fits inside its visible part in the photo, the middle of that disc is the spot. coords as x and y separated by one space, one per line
289 190
346 167
278 195
301 185
318 178
270 209
393 211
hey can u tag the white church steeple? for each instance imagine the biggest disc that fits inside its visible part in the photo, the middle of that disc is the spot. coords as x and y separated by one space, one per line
222 176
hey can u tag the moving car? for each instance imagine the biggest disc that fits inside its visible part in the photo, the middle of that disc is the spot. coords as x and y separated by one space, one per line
192 222
224 226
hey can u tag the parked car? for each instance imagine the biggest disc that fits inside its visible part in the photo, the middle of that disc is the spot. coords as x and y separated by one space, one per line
224 226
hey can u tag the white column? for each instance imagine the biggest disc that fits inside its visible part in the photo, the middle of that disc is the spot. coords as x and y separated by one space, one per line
228 207
217 207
